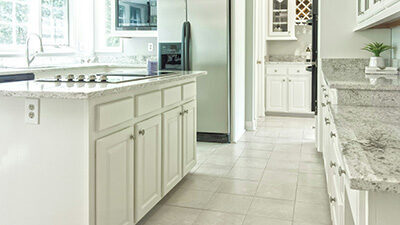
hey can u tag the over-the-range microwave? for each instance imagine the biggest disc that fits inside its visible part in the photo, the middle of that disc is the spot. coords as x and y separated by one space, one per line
135 15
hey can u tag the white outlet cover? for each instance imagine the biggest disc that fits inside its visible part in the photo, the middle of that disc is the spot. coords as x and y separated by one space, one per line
32 110
150 47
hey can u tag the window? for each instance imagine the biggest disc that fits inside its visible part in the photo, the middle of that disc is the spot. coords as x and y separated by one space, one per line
104 41
18 18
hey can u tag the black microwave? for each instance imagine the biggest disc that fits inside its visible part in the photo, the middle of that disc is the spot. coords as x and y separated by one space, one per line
136 15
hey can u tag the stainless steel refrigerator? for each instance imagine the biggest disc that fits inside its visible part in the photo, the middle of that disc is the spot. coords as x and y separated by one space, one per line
202 26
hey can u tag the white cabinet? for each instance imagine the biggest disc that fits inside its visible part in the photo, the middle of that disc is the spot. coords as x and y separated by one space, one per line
172 148
189 136
114 179
299 94
372 13
276 89
147 166
288 89
281 20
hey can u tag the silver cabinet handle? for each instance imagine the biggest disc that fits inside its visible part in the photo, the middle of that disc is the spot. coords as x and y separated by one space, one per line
333 134
181 113
332 199
324 89
332 164
323 104
326 95
142 132
328 103
327 122
186 111
132 137
341 171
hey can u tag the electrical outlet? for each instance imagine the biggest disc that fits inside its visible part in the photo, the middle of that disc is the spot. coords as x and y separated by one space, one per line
32 111
150 47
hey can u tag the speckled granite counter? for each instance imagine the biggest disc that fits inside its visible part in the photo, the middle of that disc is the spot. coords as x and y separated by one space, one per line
349 74
369 138
34 89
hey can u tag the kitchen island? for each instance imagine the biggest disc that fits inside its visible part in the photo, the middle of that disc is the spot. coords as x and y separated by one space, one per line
94 153
360 138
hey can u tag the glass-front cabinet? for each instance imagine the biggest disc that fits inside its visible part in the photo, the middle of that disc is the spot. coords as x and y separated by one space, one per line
281 20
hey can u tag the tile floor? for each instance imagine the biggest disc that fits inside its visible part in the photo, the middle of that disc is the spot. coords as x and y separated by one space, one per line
273 176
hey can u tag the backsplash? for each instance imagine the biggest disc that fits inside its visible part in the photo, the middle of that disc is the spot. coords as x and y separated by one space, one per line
65 60
286 58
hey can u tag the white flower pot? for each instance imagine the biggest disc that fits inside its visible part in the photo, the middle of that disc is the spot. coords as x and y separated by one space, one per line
377 62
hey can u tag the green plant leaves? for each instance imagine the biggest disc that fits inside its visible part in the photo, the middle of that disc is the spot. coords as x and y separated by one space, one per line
376 48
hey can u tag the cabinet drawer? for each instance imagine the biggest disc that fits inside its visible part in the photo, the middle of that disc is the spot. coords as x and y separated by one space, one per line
147 103
189 90
172 95
276 70
114 113
298 70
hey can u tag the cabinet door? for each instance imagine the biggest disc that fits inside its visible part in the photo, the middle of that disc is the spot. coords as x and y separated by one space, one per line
189 137
281 20
276 94
114 179
172 148
299 94
147 166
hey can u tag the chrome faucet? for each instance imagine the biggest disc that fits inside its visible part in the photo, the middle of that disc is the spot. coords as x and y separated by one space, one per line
29 59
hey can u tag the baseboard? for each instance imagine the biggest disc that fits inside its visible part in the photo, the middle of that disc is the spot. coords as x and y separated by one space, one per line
213 137
283 114
251 125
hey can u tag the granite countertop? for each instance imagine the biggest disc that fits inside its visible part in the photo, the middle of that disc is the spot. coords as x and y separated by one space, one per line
35 89
369 138
288 63
349 74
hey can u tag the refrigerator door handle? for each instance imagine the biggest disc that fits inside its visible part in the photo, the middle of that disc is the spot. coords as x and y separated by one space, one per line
186 45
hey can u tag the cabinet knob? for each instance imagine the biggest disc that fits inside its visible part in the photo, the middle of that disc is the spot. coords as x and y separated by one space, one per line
332 164
181 113
324 89
332 199
333 134
323 104
283 80
186 111
298 71
290 80
142 132
327 122
341 171
328 102
326 95
275 70
259 62
132 137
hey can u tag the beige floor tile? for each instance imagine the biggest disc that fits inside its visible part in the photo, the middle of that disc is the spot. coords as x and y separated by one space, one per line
312 213
309 147
189 198
256 154
288 156
294 148
261 220
255 146
282 140
312 195
311 167
170 215
240 187
201 183
229 150
272 208
277 191
273 177
221 160
312 180
311 157
283 166
219 218
251 163
253 174
213 170
256 139
229 203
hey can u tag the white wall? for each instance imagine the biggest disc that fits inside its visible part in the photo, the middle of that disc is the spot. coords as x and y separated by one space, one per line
238 38
337 40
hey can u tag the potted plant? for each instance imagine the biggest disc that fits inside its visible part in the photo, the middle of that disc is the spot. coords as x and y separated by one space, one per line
377 48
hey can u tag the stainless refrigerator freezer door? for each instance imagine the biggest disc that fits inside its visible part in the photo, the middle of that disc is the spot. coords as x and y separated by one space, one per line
171 14
210 52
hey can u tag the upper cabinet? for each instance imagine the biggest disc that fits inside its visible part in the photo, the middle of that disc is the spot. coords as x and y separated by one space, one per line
134 18
281 17
377 13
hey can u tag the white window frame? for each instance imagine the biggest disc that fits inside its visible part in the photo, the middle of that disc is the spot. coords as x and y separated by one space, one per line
35 27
